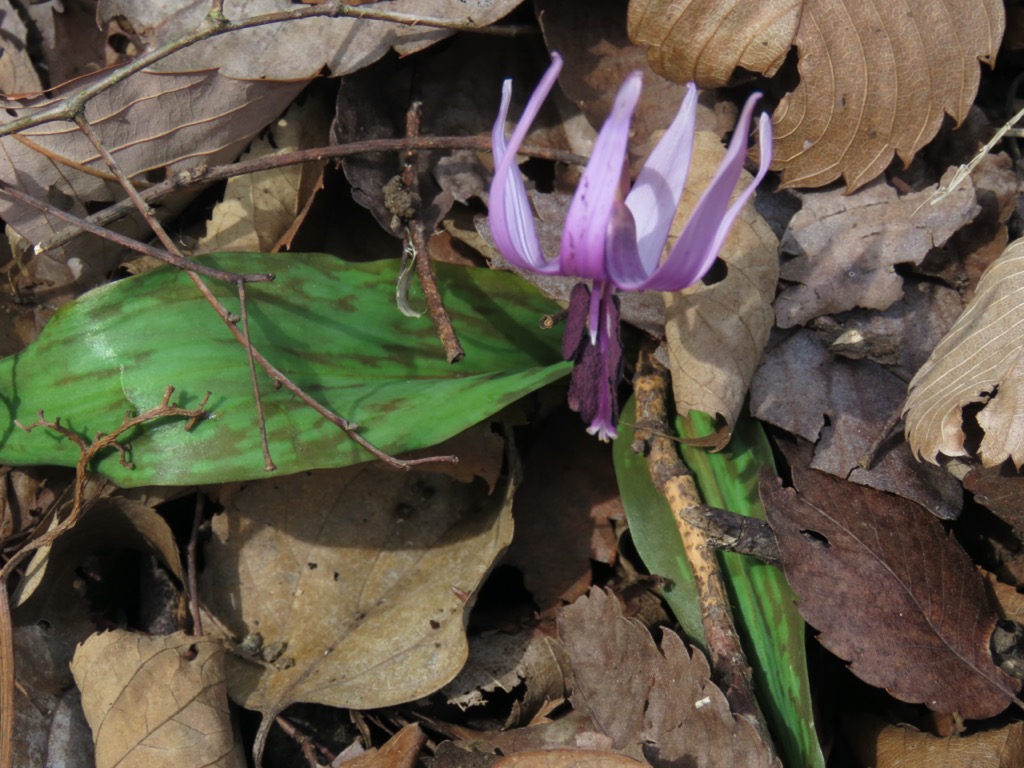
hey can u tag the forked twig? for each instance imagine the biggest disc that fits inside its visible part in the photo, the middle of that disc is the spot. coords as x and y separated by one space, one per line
89 450
203 174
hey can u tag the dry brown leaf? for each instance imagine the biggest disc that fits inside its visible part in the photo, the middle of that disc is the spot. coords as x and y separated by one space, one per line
49 727
567 758
652 702
846 246
401 751
260 211
877 78
717 333
890 592
980 361
882 745
503 663
704 41
845 406
296 50
598 56
352 580
154 125
156 701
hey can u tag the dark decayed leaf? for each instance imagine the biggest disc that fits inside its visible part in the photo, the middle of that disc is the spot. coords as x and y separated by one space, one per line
329 325
890 592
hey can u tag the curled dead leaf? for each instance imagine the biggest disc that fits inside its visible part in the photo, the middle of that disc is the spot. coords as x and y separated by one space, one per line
704 41
979 362
717 333
878 78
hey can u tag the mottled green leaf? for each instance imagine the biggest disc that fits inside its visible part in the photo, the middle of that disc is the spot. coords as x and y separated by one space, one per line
331 326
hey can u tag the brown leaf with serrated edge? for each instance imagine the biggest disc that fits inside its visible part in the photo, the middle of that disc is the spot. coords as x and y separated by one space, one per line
878 78
890 592
704 41
980 361
717 333
156 701
648 700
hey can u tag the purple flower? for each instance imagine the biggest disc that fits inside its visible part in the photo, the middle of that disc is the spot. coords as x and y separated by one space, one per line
614 236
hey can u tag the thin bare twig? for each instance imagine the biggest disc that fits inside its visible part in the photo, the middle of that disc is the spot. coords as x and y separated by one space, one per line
417 236
74 103
191 567
203 174
308 744
268 463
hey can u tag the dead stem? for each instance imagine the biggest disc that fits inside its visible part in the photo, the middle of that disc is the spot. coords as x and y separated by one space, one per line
204 174
6 680
417 236
268 462
191 566
673 479
309 745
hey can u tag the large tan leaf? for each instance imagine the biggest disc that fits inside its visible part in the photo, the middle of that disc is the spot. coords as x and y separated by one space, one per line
980 361
716 333
156 701
704 41
296 50
876 78
347 583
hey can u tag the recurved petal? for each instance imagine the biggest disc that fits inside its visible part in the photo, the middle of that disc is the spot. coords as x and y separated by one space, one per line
586 224
659 187
510 215
694 252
